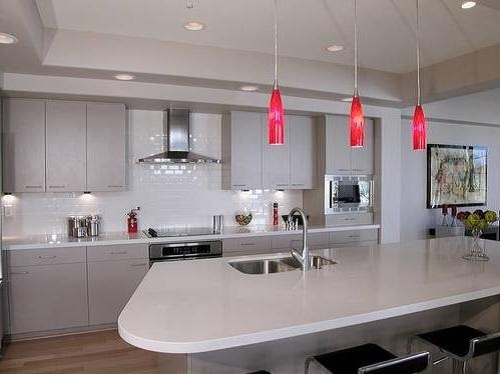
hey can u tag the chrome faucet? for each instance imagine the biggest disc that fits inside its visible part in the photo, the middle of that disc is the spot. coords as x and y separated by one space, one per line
303 257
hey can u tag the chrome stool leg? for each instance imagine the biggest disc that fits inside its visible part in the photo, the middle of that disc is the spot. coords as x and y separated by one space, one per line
306 366
464 367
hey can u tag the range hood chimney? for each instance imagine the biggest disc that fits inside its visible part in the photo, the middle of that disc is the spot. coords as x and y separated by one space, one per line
176 125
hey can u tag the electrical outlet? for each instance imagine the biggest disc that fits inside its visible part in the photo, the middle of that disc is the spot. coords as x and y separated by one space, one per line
8 211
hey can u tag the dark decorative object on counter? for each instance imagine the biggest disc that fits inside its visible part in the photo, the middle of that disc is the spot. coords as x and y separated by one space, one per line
456 175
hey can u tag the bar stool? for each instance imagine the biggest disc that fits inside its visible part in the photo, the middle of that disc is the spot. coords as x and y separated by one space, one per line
259 372
461 343
369 359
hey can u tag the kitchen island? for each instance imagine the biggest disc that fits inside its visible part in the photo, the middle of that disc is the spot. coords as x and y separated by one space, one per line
228 321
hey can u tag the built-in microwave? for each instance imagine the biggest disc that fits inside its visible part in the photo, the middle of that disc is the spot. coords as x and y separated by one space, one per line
346 193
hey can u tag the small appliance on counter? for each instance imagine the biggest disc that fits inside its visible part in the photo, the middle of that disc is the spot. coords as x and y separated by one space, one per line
81 226
217 223
93 223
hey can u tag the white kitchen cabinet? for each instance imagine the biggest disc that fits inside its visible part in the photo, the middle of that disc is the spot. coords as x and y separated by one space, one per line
340 157
48 297
106 147
354 236
242 150
302 138
249 245
111 284
338 150
65 148
249 162
276 160
24 145
362 159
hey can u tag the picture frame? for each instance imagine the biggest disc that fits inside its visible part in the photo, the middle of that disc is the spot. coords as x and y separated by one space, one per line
456 175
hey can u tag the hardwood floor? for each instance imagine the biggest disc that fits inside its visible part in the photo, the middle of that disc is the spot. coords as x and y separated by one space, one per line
96 352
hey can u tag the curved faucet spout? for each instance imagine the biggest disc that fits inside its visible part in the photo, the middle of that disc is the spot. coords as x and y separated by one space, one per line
303 257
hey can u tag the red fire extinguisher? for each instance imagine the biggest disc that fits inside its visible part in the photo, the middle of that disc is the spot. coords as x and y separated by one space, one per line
132 221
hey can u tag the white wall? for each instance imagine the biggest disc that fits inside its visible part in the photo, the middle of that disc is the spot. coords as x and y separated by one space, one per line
168 195
415 218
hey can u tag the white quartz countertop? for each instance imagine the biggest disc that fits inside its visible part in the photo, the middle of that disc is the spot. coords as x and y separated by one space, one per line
118 238
206 305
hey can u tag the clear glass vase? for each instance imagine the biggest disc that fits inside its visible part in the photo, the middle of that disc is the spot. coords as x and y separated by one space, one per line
477 250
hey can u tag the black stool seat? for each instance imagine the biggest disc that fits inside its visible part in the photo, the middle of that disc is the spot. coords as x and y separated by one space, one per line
260 372
455 340
348 361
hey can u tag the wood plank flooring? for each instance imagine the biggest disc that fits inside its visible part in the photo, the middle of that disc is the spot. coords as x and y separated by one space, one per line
96 352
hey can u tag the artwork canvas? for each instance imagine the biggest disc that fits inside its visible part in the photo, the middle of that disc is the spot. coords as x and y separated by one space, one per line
456 175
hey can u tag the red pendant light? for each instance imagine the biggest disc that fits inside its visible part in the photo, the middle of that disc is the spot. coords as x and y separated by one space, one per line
419 126
276 115
419 129
357 123
276 118
356 118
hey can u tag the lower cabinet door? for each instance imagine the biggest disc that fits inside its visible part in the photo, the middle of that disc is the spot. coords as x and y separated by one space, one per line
111 284
48 297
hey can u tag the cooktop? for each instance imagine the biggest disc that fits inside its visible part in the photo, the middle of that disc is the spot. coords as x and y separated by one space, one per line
176 232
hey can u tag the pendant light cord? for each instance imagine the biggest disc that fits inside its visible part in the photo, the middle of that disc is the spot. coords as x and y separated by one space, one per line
418 57
355 48
275 44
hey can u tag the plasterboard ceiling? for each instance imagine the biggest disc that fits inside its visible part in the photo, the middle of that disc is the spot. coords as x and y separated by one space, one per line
307 26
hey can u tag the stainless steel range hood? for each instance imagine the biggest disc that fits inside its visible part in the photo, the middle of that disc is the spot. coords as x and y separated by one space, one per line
177 147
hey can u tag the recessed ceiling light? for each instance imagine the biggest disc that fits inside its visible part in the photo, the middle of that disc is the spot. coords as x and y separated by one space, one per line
335 48
124 77
194 26
347 99
249 88
7 38
468 4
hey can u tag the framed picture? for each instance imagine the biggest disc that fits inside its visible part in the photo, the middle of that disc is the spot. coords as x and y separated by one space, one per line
456 175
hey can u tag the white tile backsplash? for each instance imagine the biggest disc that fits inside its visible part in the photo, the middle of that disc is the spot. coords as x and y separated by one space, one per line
169 195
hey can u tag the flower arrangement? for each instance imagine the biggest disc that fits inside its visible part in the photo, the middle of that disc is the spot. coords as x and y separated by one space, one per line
478 220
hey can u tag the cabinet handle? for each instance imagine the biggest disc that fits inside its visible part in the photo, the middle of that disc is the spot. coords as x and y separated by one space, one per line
57 186
32 186
239 185
119 253
19 272
47 257
349 219
343 169
135 265
359 169
354 236
247 244
114 186
282 184
298 184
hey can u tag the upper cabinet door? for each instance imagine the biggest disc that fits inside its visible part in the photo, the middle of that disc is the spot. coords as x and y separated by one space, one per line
301 132
276 160
246 150
24 145
65 146
106 147
338 150
362 158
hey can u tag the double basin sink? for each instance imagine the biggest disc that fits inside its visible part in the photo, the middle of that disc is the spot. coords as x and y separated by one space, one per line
276 265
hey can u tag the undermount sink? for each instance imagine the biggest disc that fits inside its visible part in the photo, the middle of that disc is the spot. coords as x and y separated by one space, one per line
276 265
